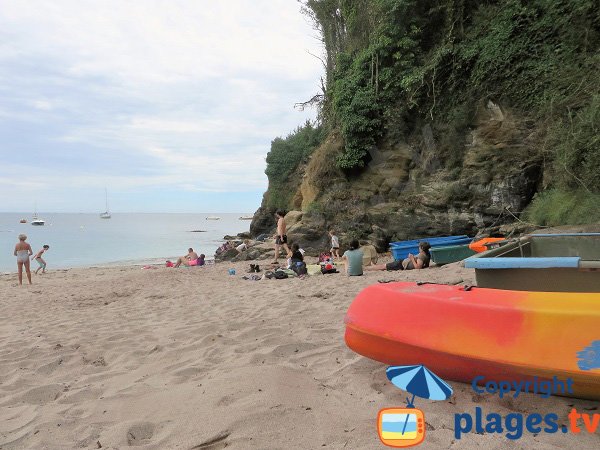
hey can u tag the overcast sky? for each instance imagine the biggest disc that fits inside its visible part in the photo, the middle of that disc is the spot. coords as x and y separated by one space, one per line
171 105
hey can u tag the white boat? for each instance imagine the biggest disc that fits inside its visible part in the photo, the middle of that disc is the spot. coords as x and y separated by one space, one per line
106 214
35 220
245 218
213 218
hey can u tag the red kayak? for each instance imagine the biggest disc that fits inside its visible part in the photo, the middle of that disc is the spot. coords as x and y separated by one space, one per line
498 334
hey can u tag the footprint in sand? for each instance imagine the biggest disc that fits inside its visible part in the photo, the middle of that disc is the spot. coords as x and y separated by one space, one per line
140 433
226 400
43 394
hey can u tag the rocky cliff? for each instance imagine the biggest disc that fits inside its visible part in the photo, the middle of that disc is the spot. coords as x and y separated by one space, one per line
406 190
444 118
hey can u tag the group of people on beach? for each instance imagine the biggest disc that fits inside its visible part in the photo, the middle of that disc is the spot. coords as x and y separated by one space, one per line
353 257
23 252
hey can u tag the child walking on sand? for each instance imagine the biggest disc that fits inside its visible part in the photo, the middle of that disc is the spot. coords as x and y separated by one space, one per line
335 245
40 260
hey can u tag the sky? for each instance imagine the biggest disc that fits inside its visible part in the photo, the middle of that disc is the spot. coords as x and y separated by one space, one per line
171 105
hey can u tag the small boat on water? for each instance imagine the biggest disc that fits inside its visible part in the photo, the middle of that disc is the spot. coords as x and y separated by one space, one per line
245 218
23 221
213 218
462 333
38 221
35 220
541 262
106 214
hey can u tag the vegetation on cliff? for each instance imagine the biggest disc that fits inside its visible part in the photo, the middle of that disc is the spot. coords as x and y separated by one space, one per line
283 160
393 66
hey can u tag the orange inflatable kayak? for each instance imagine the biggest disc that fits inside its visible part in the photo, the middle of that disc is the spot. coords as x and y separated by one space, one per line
498 334
480 245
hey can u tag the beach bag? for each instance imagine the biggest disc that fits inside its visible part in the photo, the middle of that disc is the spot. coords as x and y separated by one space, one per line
324 257
280 275
328 268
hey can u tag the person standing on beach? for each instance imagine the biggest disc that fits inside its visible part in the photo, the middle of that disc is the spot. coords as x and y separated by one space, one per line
40 260
23 252
280 237
335 245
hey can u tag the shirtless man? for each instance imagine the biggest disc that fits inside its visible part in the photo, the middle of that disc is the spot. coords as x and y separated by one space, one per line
190 259
40 260
280 237
23 252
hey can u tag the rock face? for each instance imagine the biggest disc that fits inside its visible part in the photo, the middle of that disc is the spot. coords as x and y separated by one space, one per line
263 221
425 185
310 233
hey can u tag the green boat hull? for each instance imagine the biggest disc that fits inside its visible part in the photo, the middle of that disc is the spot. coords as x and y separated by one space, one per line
450 254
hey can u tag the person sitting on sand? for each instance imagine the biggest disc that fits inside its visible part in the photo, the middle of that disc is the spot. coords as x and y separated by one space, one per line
23 252
296 260
191 259
280 237
40 260
200 261
297 255
243 246
421 261
354 259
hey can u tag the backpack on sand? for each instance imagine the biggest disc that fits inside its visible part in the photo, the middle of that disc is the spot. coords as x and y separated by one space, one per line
280 275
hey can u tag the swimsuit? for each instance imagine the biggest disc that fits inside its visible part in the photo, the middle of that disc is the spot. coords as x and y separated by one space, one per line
39 261
22 256
281 240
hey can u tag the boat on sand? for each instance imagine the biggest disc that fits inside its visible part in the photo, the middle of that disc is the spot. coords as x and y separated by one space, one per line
462 333
568 262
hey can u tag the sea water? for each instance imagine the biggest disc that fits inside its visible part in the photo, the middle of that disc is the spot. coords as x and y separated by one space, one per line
84 240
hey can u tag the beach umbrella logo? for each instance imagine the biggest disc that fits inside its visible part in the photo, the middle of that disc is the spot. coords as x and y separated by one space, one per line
405 427
589 357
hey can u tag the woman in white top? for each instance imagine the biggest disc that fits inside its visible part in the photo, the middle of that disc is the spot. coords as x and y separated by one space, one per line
23 252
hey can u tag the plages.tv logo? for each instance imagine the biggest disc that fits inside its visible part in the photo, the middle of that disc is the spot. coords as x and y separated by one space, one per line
405 426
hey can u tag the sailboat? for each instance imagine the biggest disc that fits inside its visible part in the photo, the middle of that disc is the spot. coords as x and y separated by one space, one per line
106 214
35 220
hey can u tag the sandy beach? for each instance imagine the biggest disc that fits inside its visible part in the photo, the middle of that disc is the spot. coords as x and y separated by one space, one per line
193 358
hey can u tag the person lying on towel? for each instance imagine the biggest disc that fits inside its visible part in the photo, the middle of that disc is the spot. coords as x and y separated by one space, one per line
421 261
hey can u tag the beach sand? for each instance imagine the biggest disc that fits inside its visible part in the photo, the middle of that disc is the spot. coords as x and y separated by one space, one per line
193 358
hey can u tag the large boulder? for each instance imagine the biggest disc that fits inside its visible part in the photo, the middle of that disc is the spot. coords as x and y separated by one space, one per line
310 235
292 218
263 221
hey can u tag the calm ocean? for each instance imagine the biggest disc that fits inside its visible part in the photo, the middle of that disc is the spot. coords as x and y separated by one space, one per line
82 240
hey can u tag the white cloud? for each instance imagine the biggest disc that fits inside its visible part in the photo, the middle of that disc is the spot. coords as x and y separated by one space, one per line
189 92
